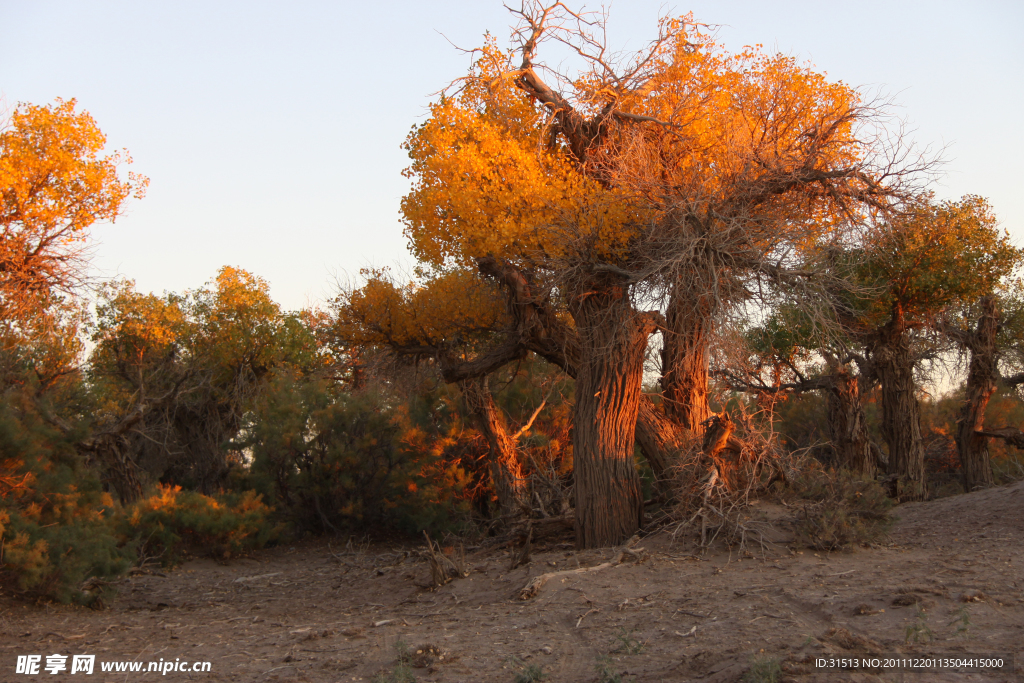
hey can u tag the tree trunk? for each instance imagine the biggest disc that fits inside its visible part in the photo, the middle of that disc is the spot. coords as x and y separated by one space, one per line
975 465
540 330
684 362
901 419
120 469
847 424
613 341
661 439
505 470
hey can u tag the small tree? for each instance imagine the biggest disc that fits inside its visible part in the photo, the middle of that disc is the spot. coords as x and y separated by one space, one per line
455 320
920 263
173 377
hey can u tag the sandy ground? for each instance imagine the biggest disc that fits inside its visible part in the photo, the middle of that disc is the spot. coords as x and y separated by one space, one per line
950 579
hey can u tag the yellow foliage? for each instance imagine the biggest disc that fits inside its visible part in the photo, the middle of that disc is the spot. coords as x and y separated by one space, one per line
425 313
935 255
486 182
701 129
54 184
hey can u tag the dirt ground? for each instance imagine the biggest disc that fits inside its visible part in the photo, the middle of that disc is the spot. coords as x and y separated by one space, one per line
949 581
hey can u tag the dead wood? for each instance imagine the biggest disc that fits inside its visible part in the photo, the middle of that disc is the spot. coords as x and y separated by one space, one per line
1010 435
445 566
521 555
533 587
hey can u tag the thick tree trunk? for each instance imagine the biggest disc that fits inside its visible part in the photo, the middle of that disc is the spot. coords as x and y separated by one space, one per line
684 362
121 470
976 467
539 329
901 419
848 425
613 340
505 469
660 438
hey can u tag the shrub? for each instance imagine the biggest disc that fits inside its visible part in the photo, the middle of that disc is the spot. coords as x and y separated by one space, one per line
840 509
172 522
335 461
55 521
763 670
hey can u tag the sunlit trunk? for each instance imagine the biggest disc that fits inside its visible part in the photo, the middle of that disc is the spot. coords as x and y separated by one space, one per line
661 439
505 469
976 467
613 340
684 362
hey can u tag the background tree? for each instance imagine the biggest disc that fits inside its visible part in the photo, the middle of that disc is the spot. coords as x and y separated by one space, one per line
988 332
784 357
921 262
175 375
54 184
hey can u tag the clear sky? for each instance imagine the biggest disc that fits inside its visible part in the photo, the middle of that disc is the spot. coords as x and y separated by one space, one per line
272 131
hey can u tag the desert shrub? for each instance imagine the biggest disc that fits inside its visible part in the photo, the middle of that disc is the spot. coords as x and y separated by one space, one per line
839 509
171 522
55 521
763 669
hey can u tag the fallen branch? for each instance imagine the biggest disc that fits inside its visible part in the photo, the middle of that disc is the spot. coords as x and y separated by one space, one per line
532 588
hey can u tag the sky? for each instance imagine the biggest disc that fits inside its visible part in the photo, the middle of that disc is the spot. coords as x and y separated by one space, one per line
272 131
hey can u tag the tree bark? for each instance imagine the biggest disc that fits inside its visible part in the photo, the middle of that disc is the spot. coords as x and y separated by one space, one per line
505 469
684 362
847 423
661 439
901 418
539 329
613 341
976 467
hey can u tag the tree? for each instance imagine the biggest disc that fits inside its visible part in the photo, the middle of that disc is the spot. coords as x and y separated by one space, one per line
173 377
988 331
54 184
921 262
784 356
688 174
446 317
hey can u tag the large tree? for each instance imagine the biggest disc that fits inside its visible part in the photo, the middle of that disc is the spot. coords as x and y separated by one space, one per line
683 173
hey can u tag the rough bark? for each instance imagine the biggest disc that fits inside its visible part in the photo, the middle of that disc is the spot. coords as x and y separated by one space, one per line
613 341
901 419
847 423
660 439
982 374
684 363
723 451
537 328
503 459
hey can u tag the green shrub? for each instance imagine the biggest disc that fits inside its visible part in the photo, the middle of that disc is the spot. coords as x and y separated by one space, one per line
55 521
334 461
172 522
763 670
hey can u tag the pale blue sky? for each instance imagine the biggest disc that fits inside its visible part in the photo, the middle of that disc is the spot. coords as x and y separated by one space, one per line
272 131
